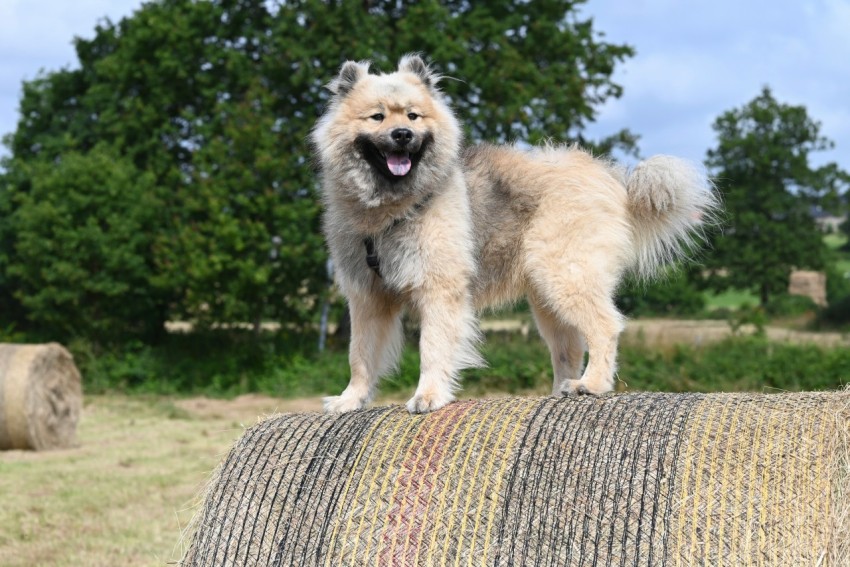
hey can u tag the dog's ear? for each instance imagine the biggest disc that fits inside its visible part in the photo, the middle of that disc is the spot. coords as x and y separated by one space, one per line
413 63
349 74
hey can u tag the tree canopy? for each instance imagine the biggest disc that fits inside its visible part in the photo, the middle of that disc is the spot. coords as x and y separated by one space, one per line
179 146
82 229
761 164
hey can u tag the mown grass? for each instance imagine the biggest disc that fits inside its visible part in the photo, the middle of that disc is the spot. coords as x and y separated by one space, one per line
835 240
121 498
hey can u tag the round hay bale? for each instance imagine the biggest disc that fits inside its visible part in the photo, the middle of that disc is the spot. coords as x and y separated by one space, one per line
810 284
40 397
631 479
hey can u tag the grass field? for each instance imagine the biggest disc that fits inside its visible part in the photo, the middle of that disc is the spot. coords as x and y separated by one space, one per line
731 299
124 495
835 241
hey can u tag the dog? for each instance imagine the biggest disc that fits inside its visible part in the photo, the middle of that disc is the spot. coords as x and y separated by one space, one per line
415 220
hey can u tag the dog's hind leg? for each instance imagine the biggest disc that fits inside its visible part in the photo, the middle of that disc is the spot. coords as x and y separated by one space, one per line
565 343
374 351
601 324
580 297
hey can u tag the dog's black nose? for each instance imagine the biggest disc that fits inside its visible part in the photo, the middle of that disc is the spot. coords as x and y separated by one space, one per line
401 136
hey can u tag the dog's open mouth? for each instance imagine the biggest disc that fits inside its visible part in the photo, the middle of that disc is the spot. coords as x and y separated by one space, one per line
398 163
393 163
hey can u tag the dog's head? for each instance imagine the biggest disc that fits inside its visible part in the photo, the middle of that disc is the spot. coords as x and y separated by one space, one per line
397 126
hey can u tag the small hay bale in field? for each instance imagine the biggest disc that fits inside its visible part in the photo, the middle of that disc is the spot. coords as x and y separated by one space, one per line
40 397
631 479
809 284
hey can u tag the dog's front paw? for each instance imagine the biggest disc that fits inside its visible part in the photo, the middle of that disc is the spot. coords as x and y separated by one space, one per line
343 403
427 402
582 387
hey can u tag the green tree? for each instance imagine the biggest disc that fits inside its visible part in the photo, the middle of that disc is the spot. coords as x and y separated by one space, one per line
674 295
844 228
253 246
761 166
81 262
12 313
515 70
212 102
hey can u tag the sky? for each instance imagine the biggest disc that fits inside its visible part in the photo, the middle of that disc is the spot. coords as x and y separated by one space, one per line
695 60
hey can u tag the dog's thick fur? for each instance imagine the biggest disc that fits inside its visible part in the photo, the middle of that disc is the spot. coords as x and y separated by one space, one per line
455 231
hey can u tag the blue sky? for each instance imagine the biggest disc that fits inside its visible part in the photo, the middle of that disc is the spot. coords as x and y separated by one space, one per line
695 59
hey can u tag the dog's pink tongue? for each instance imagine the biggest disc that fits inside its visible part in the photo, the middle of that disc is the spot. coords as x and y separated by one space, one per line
399 164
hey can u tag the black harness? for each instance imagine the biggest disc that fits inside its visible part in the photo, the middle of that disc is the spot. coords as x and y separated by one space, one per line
371 256
372 259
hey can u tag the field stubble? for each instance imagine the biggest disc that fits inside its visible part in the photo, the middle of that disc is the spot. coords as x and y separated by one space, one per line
123 496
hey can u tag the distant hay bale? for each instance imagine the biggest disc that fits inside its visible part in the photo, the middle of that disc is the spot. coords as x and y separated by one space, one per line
40 397
809 284
631 479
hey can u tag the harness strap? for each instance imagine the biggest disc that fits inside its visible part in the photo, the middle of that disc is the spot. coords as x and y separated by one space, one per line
372 259
371 256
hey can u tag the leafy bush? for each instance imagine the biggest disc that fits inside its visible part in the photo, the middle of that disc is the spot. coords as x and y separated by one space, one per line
82 247
673 295
736 364
786 305
837 284
217 364
836 314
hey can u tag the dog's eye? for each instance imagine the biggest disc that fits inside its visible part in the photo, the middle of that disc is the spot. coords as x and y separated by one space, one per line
413 115
379 117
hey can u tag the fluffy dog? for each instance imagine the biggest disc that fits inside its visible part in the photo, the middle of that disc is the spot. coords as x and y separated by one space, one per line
413 220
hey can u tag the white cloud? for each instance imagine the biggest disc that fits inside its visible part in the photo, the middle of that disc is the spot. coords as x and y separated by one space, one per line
698 59
680 78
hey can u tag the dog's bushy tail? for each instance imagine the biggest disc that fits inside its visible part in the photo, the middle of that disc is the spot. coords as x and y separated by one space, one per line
672 203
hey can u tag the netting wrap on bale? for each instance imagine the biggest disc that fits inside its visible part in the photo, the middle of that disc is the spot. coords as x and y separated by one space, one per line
633 479
40 397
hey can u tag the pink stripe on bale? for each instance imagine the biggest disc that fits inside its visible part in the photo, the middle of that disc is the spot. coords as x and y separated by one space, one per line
404 525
